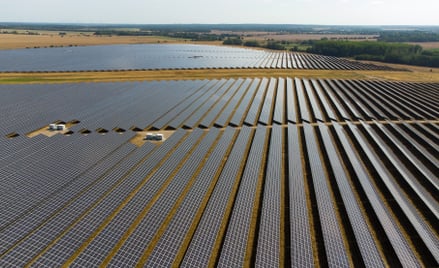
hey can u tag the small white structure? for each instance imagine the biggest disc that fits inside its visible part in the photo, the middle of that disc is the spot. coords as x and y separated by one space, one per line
57 127
149 136
154 137
60 127
159 137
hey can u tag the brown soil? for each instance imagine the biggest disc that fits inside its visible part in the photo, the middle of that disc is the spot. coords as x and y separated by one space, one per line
46 132
427 45
417 74
15 41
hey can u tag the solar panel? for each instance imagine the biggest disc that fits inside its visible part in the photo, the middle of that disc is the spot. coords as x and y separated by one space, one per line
60 200
180 118
229 109
338 106
267 108
279 109
110 234
291 101
184 104
254 110
355 108
398 241
336 252
215 111
234 248
213 196
208 104
303 106
241 111
365 241
144 232
269 239
301 252
86 206
316 111
321 95
168 246
405 173
207 234
57 253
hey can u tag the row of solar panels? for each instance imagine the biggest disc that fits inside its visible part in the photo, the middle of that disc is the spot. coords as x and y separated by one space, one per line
150 57
211 103
360 193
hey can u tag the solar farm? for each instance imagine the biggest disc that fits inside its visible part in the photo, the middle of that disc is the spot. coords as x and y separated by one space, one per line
159 57
264 172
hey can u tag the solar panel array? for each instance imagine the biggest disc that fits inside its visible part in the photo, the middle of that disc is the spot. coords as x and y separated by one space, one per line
166 56
265 172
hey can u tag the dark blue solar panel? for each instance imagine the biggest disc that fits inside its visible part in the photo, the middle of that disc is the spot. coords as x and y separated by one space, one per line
200 250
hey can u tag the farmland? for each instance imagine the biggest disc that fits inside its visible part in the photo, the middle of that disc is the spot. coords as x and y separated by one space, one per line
53 39
259 171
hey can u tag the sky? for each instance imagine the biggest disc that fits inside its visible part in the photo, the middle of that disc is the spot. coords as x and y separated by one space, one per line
321 12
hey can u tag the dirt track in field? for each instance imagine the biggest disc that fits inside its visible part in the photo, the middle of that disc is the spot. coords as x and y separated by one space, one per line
417 75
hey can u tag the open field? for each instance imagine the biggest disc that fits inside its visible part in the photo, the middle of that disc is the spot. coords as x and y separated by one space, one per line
427 45
52 38
14 41
417 74
48 38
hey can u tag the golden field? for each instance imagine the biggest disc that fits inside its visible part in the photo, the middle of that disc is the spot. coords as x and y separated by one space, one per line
416 75
47 39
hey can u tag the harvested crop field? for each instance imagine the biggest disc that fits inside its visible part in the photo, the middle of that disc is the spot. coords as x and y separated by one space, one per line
427 45
259 172
53 39
415 74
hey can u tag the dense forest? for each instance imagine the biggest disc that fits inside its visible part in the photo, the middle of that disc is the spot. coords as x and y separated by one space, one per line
378 51
408 36
269 44
193 36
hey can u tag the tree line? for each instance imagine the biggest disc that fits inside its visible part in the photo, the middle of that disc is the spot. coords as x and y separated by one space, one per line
408 36
193 36
269 44
377 51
